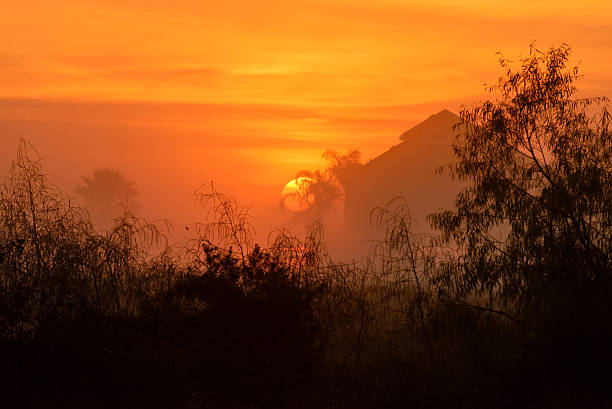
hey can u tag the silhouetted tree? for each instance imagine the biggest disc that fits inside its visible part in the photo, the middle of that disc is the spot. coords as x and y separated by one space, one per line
105 191
341 166
227 223
534 229
322 189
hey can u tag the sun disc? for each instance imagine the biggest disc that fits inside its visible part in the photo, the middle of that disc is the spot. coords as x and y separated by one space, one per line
293 195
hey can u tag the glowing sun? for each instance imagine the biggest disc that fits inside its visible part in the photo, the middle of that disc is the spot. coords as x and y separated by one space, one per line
294 195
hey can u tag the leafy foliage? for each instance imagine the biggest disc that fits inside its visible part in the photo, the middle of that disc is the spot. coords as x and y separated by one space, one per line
534 229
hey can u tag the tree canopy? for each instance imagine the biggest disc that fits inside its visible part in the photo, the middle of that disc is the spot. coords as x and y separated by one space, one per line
535 225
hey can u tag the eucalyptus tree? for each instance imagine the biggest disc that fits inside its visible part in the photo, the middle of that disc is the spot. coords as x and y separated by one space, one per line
533 230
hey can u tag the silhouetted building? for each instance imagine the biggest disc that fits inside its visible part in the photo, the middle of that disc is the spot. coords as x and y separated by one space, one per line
407 169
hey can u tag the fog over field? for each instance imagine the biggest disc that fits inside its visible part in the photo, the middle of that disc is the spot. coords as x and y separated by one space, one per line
170 150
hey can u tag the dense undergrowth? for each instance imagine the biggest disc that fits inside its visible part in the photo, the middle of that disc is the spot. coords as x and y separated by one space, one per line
470 319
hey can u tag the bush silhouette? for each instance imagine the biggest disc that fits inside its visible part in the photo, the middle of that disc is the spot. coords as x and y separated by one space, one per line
98 319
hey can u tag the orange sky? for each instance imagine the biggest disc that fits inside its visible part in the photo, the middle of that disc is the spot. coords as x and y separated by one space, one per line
381 52
251 92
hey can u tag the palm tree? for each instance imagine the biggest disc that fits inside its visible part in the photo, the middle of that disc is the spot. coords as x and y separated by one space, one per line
321 190
107 193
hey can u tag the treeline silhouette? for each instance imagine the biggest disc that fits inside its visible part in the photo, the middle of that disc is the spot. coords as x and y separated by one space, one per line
508 306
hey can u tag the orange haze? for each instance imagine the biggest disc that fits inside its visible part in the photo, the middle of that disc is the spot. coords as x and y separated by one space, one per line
247 93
